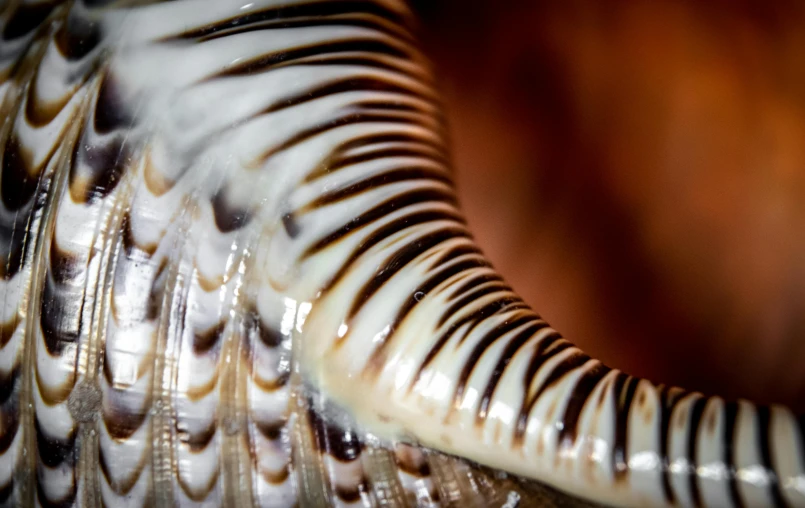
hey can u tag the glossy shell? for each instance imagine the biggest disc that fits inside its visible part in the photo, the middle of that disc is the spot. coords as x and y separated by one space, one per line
236 274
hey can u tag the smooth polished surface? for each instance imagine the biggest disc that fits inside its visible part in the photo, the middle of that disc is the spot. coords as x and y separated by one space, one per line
237 274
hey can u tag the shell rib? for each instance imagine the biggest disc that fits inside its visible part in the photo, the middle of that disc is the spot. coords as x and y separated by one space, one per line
236 274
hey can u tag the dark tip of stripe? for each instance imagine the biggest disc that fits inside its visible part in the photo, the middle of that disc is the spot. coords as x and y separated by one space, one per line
25 19
120 423
60 321
696 412
258 330
17 185
204 342
350 495
623 390
77 36
291 225
399 260
315 10
668 402
64 267
106 162
506 356
8 384
578 398
228 218
6 490
197 441
271 430
765 447
53 451
110 110
730 415
10 420
342 444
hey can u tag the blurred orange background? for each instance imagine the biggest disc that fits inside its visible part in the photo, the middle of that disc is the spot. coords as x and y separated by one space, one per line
636 169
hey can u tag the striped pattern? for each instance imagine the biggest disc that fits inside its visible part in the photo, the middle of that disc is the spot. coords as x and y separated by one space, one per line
236 275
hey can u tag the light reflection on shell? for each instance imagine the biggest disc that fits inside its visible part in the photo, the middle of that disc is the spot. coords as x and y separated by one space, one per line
235 274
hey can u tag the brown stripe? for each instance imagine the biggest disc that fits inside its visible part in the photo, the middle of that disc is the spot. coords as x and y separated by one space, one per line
668 402
764 437
344 445
587 382
78 36
377 181
447 271
623 390
53 451
110 110
25 19
397 261
483 344
697 409
312 11
381 211
17 184
362 84
506 356
730 414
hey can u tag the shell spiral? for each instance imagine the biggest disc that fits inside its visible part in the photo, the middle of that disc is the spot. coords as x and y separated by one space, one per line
236 274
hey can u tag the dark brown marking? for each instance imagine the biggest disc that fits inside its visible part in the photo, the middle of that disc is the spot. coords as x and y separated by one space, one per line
258 330
397 261
204 342
377 181
314 13
6 490
350 116
474 295
110 109
7 330
25 19
693 477
17 185
764 437
268 61
78 36
668 401
542 353
198 441
106 163
228 218
60 322
68 501
53 451
291 225
730 418
121 423
380 211
9 418
365 84
344 445
514 345
271 430
585 385
483 344
623 390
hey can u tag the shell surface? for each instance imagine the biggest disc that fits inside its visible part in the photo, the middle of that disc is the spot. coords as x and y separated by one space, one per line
236 274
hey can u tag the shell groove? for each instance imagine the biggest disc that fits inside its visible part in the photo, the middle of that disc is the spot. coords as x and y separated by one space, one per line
236 274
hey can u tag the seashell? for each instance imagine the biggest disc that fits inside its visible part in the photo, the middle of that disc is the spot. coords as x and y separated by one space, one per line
236 274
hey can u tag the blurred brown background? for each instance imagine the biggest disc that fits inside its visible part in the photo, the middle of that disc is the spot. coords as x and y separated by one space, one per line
636 169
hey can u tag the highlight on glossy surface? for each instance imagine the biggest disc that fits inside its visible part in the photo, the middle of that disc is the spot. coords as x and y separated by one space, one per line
236 274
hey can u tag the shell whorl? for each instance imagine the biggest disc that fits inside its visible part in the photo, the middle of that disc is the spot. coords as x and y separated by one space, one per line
236 274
